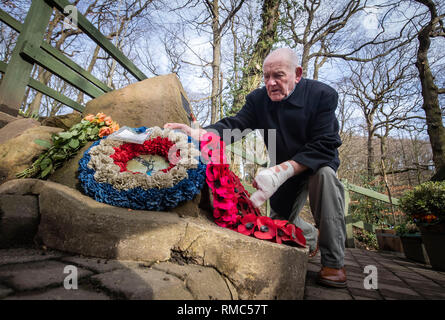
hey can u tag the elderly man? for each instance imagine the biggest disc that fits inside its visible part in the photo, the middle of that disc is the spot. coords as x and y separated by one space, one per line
302 112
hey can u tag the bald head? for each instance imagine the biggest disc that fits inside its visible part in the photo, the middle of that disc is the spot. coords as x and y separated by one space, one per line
281 73
285 55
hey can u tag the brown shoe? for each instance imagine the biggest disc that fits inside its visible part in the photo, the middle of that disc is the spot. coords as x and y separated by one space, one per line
332 277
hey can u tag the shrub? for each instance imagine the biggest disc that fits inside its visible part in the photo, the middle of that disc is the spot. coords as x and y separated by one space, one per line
406 228
425 204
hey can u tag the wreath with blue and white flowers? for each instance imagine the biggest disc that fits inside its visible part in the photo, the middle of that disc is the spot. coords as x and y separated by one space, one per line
159 174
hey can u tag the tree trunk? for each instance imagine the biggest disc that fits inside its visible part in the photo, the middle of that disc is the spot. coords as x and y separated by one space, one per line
305 59
253 67
436 130
216 62
370 159
89 69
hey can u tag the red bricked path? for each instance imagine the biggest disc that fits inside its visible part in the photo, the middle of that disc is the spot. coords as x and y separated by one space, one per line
397 278
27 273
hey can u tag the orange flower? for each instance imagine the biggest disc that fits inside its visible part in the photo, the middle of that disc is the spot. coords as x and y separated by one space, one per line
89 117
104 131
101 116
108 121
114 127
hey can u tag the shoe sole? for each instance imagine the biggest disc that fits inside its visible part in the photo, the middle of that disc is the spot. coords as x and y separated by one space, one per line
330 283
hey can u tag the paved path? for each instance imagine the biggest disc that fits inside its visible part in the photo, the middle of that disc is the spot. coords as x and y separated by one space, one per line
27 273
397 278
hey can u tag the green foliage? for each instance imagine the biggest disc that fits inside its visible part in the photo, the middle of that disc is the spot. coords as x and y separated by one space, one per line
43 143
369 239
425 203
29 115
406 228
373 211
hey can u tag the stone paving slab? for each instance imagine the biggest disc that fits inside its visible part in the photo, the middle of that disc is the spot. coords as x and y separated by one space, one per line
62 294
398 278
22 255
95 264
4 291
35 274
137 284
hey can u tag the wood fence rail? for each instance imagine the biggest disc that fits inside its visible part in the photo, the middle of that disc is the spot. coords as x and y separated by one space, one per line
350 221
31 49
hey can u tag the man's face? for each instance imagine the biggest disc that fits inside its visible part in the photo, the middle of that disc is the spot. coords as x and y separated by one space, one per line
279 78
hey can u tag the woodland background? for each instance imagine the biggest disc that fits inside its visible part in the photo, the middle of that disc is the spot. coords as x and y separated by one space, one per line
385 58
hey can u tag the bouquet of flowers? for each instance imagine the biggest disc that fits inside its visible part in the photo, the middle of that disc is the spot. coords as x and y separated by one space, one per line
66 144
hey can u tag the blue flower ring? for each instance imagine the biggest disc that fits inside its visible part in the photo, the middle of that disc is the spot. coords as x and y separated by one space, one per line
142 180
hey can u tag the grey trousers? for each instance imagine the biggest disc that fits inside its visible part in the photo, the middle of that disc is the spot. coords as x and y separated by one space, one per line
327 202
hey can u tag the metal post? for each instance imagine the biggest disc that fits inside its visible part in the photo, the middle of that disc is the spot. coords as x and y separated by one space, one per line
349 231
15 80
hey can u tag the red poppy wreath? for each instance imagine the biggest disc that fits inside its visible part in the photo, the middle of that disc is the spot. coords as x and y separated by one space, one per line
232 207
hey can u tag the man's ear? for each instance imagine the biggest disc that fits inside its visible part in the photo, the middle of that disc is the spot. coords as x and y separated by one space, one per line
298 74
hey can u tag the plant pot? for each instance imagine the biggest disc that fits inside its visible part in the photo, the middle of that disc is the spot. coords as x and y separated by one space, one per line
433 238
413 247
388 240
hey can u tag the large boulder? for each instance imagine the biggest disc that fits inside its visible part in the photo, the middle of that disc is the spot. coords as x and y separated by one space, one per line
18 153
5 119
15 128
151 102
64 121
251 268
67 174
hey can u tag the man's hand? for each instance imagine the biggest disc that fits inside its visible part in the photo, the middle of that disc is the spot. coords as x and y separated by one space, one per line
195 132
269 180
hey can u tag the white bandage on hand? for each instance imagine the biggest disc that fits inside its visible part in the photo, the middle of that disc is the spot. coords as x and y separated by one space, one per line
268 181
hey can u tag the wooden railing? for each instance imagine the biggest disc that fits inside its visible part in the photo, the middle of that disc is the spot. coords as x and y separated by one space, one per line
30 49
350 221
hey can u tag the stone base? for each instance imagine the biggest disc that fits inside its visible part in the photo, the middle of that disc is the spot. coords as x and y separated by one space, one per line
18 150
251 268
6 118
151 102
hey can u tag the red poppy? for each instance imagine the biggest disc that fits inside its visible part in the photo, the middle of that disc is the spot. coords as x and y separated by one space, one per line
211 139
226 193
206 153
267 229
293 233
282 232
248 224
245 205
218 157
212 149
127 151
215 172
225 204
